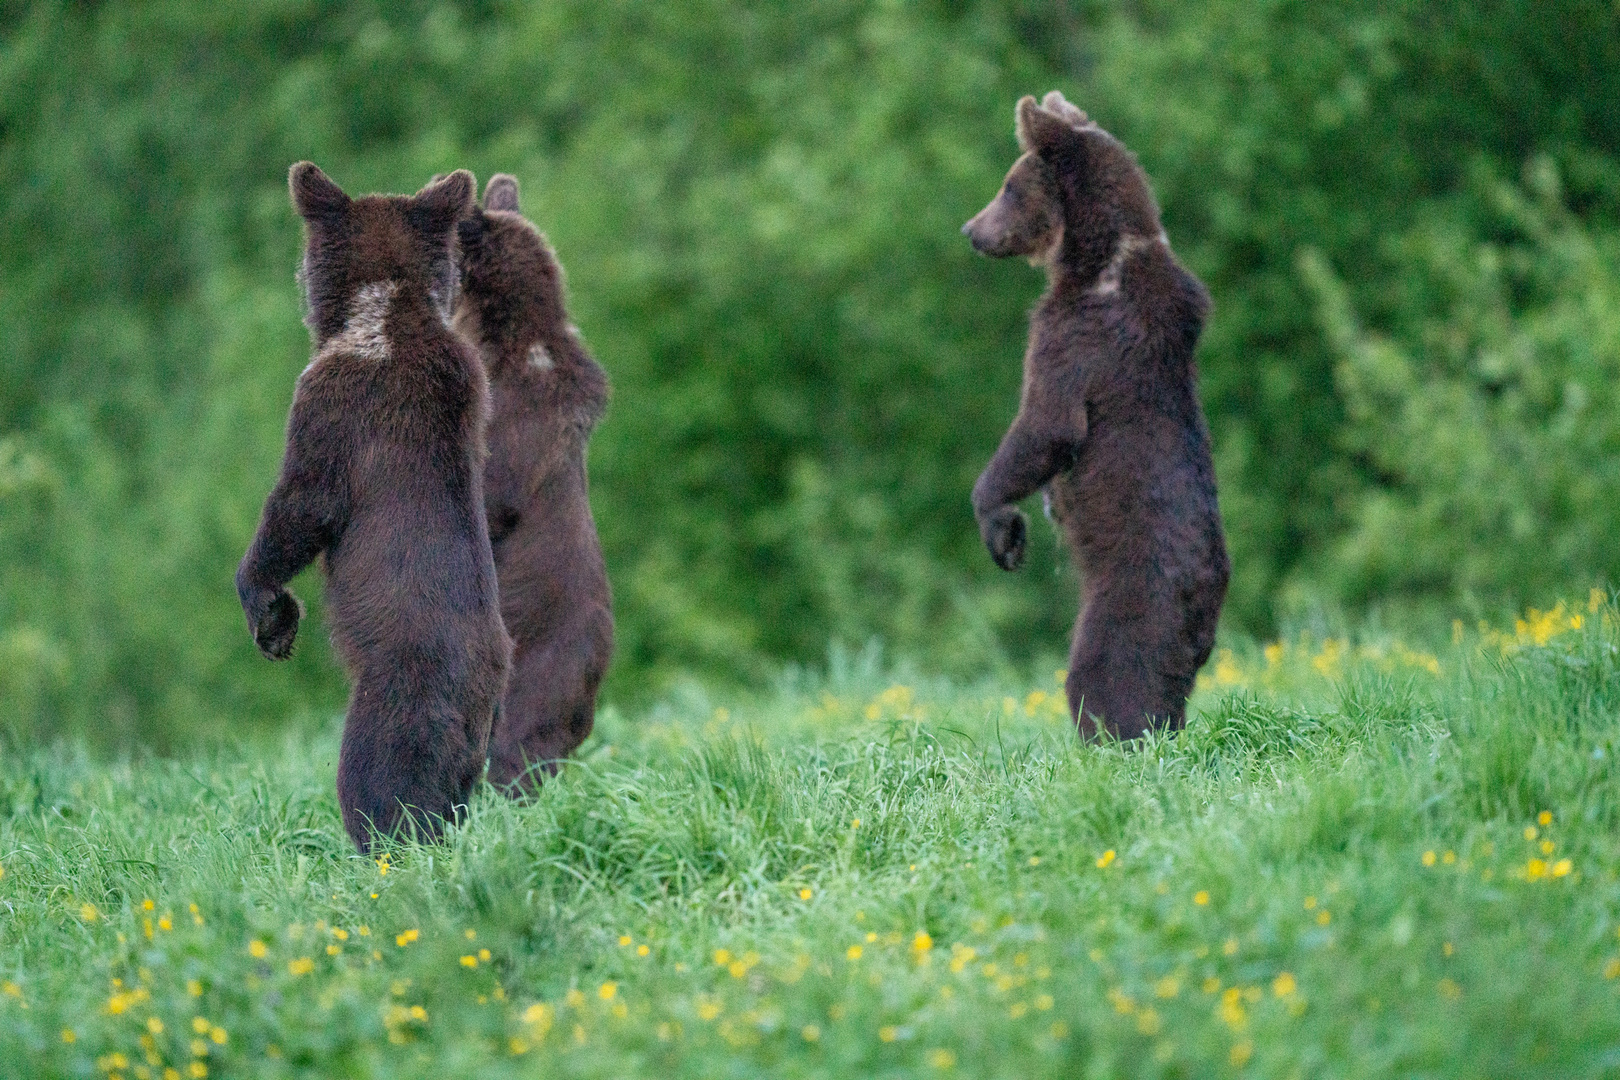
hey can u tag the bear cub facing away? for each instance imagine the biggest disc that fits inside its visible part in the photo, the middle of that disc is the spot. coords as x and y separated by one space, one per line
1109 426
383 478
547 394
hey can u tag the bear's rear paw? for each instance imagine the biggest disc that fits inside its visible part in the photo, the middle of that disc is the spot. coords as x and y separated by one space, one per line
1005 533
278 626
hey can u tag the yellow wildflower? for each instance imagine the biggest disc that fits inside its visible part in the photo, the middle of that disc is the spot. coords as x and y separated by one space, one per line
810 1033
539 1017
1201 897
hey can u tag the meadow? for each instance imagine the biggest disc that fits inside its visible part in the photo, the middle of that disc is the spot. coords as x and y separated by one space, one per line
1362 858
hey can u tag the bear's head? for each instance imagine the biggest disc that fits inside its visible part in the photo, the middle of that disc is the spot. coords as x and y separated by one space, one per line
351 243
1070 198
511 283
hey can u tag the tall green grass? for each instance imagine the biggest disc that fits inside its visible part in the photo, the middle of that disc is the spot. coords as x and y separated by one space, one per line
1360 859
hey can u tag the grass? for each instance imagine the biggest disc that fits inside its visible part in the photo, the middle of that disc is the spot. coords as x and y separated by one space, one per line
1360 859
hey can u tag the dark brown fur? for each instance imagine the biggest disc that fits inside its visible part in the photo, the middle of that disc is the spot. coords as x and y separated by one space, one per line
547 396
1109 423
383 477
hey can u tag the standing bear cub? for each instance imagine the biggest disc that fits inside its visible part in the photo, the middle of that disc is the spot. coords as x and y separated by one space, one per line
383 476
547 395
1108 424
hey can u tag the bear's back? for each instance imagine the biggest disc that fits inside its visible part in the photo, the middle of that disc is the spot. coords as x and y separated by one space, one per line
411 570
1141 493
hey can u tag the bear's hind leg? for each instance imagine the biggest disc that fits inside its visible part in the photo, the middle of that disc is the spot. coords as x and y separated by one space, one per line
405 771
1109 685
550 704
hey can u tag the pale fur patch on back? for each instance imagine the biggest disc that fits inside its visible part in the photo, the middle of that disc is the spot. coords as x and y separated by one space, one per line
362 333
540 357
1108 281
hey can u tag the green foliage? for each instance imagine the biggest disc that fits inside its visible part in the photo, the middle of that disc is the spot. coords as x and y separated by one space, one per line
1491 411
757 207
1409 868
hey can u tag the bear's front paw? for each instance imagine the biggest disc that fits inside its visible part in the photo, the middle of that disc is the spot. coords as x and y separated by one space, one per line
1005 532
275 629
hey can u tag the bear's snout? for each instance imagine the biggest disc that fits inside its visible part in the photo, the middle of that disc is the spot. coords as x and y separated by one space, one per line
975 235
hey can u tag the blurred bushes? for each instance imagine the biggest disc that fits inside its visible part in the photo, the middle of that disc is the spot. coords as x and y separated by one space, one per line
1407 213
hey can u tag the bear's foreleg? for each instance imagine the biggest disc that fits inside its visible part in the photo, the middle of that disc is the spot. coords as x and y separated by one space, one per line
1026 459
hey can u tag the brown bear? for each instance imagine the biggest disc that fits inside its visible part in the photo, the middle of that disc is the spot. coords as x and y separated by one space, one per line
383 476
1109 426
547 394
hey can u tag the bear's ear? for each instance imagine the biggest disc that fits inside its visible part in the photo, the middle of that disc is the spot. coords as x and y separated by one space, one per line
314 194
436 208
501 193
1041 132
1056 104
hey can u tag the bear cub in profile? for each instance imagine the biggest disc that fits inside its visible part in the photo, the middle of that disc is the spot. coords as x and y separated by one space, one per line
1109 426
383 477
547 394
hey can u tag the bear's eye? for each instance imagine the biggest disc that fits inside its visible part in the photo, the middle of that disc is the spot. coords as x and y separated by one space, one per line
1011 191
